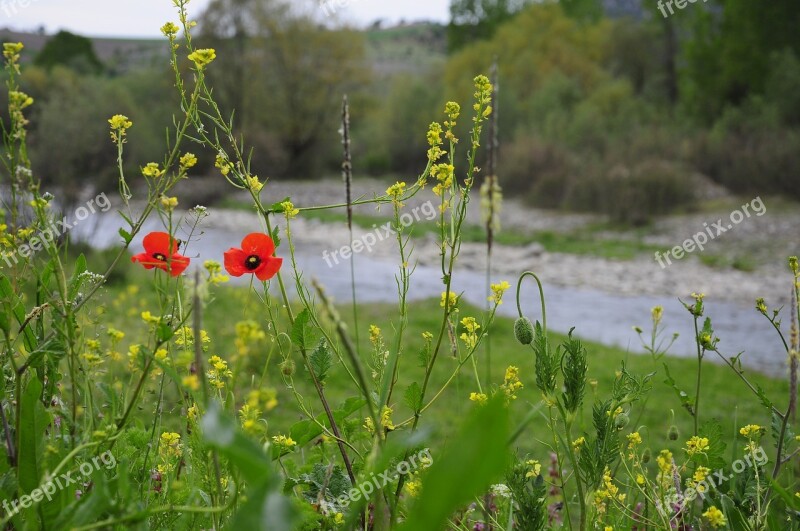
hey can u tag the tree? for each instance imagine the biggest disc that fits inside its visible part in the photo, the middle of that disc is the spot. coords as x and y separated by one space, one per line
283 75
70 50
472 20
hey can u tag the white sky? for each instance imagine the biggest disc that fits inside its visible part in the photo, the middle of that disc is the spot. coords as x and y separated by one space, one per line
143 18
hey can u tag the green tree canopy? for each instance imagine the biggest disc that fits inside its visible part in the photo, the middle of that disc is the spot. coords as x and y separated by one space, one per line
73 51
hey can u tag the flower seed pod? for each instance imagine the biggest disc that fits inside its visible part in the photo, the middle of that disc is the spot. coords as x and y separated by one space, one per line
621 420
646 456
523 330
673 433
287 367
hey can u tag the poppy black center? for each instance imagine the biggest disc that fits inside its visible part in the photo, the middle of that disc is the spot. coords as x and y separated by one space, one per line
252 262
160 257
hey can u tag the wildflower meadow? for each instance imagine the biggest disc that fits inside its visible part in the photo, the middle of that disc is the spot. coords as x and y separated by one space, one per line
143 389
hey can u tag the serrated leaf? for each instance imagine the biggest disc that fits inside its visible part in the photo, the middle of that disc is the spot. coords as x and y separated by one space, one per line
321 360
413 397
276 236
301 330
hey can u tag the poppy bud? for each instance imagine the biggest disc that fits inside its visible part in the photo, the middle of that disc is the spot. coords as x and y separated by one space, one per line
621 420
673 433
646 456
287 367
523 330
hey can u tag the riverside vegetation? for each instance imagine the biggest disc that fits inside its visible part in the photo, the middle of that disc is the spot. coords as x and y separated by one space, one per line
272 421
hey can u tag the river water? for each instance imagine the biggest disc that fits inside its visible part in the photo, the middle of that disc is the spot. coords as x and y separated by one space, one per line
599 316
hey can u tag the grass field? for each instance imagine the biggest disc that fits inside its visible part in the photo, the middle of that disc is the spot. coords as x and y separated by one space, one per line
724 397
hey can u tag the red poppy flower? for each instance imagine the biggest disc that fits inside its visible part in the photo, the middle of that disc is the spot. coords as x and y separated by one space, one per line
255 256
161 251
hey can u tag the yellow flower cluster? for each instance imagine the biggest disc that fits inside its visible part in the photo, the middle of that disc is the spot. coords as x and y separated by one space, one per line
696 445
11 51
444 174
497 292
170 29
715 517
152 170
283 442
265 398
609 491
435 141
289 210
448 301
535 468
470 337
396 191
254 183
191 381
119 126
479 398
511 383
374 334
215 275
634 440
225 166
203 57
168 203
751 431
188 160
248 417
218 372
170 450
578 443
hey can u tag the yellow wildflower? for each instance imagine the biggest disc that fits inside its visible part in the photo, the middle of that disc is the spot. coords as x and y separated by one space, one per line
203 57
715 517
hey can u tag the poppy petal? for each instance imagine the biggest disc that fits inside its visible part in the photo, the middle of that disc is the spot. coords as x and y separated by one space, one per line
258 244
159 242
178 264
269 268
234 262
145 259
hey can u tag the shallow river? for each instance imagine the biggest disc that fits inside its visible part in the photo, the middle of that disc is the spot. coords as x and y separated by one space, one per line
599 316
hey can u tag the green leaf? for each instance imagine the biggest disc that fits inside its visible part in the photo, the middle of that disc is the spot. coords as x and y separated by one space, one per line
276 236
475 457
321 360
301 330
34 419
126 236
12 305
413 397
686 401
75 281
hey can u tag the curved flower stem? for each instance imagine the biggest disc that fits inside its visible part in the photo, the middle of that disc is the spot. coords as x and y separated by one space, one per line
541 297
